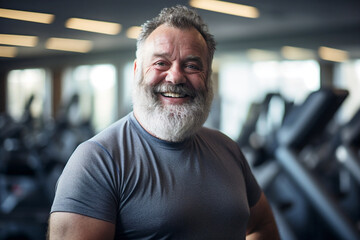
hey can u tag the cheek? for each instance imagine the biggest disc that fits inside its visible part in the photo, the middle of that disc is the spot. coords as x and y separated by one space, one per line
198 81
153 76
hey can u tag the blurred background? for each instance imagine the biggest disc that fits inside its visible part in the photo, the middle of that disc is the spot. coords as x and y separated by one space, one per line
287 83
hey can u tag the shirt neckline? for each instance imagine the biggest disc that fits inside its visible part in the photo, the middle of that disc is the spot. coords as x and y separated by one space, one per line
160 142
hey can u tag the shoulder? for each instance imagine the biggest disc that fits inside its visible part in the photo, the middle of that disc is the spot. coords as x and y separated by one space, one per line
114 131
103 147
218 142
213 136
118 136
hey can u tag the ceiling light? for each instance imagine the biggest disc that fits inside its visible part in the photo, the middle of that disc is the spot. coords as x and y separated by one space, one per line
27 16
261 55
8 51
332 54
66 44
226 7
18 40
295 53
133 32
93 26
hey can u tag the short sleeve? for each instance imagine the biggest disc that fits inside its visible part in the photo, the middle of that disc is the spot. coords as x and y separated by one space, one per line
253 189
88 184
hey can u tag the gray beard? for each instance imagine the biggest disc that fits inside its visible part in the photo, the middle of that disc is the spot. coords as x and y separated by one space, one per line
173 123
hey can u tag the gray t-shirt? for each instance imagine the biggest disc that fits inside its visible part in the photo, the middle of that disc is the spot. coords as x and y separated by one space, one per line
201 188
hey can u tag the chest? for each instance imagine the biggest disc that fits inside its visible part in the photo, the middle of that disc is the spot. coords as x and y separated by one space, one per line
183 194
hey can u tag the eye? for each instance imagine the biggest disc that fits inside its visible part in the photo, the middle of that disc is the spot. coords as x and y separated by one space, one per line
161 65
190 67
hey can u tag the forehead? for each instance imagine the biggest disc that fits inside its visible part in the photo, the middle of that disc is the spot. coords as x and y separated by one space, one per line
170 40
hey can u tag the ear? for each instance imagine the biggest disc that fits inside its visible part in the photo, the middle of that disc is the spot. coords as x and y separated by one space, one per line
135 66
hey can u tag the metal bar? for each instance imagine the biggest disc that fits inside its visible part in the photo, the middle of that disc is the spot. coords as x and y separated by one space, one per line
348 158
316 194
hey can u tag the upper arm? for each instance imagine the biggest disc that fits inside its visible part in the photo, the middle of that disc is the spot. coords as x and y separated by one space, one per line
68 226
88 185
261 223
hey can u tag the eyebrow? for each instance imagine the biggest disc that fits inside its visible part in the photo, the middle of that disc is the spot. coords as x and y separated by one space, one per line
160 55
194 59
189 58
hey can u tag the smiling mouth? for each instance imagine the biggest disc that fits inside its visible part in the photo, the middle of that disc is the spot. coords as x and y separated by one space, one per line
173 95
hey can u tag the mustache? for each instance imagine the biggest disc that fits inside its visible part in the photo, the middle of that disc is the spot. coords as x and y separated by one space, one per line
178 88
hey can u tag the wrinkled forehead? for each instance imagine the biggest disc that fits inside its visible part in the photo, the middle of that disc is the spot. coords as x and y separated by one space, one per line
185 40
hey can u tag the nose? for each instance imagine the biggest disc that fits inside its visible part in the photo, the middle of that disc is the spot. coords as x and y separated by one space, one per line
175 75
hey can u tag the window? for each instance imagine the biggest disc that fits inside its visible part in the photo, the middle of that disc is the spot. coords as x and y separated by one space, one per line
242 83
96 89
126 93
347 76
24 85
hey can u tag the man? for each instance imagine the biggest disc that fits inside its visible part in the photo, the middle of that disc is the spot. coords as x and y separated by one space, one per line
157 173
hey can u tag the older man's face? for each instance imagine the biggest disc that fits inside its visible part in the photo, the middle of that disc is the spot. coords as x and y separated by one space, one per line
175 56
173 79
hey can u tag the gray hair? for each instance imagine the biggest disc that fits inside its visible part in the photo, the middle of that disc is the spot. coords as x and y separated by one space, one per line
180 17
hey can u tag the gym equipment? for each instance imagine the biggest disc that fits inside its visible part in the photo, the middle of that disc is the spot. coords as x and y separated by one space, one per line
264 119
258 142
32 156
306 126
299 175
348 153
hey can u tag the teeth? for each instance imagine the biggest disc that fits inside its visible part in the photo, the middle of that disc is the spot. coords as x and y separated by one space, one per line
173 95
